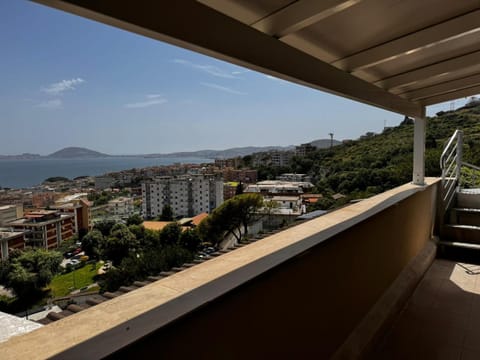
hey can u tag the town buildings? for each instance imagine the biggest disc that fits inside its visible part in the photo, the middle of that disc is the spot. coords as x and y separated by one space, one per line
272 158
187 195
104 182
240 175
228 163
45 228
304 149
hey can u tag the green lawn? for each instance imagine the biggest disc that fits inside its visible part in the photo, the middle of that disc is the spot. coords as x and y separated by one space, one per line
63 284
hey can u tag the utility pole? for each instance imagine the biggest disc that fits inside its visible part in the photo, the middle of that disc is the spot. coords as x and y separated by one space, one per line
331 140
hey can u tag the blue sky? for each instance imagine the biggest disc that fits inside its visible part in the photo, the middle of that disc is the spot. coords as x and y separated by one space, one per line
69 81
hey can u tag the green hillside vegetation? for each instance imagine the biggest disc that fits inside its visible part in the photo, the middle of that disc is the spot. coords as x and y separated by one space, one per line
378 162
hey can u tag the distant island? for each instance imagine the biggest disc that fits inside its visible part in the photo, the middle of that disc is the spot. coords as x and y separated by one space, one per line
76 153
84 153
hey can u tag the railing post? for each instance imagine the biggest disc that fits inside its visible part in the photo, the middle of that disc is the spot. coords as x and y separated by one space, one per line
419 151
459 157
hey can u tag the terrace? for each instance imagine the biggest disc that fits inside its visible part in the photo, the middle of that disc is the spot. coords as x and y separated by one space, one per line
358 282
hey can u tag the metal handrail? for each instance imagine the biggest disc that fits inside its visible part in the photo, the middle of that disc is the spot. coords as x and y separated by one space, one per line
451 164
475 167
449 144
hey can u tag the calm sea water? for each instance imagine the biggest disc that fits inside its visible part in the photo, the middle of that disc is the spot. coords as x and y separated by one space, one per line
26 173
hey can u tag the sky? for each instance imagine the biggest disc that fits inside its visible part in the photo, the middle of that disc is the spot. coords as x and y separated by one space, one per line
69 81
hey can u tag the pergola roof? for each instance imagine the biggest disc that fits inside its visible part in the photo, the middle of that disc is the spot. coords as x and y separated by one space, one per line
400 55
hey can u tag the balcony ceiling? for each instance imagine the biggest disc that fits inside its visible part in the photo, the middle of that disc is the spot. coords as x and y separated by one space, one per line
399 55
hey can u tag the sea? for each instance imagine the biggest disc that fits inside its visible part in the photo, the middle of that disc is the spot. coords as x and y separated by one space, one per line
19 174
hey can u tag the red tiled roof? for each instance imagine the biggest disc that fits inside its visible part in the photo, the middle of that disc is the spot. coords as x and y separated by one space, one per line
155 225
198 219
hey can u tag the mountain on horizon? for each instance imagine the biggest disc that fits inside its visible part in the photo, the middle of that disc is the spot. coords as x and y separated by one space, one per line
76 152
73 152
324 143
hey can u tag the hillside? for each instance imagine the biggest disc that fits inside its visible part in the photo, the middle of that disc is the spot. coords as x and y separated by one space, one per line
373 164
76 152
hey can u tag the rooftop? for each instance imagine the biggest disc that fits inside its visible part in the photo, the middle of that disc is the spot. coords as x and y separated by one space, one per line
14 326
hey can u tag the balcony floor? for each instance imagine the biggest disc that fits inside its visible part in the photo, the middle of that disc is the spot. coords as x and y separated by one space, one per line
441 319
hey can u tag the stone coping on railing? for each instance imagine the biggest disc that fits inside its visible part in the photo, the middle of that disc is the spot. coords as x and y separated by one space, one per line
109 326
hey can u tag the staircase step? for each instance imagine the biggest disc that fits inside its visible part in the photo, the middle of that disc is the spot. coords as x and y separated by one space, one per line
461 233
468 210
465 216
460 245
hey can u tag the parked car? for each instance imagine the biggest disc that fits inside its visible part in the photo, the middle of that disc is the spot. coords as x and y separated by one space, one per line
73 262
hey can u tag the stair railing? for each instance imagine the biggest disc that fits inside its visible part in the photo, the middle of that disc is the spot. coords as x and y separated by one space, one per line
451 165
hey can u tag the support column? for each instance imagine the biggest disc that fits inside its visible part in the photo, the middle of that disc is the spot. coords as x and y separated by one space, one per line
419 151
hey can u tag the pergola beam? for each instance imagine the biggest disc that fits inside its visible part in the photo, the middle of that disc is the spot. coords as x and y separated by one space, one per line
474 90
443 88
429 71
438 34
299 15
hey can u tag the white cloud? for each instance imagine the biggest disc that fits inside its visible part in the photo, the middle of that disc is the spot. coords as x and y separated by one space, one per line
209 69
62 86
223 88
153 99
154 96
240 72
51 104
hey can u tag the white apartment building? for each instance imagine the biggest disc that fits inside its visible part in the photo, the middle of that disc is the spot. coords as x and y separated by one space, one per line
8 213
187 195
122 206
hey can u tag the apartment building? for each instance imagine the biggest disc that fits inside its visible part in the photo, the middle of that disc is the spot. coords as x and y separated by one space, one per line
80 209
304 149
294 177
10 240
8 213
228 163
278 187
272 158
46 228
243 175
187 195
122 206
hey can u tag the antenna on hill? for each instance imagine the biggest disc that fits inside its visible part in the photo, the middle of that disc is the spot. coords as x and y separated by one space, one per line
331 140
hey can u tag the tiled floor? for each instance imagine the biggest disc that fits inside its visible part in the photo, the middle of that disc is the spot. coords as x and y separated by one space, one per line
441 319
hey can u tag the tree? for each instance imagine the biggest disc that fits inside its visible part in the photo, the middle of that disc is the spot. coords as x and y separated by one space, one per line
239 189
134 220
189 240
105 227
170 234
28 272
119 244
167 213
91 243
232 217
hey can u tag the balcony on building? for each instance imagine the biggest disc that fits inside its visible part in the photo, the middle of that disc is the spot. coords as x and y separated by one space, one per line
364 281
